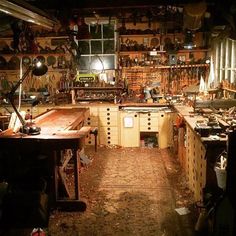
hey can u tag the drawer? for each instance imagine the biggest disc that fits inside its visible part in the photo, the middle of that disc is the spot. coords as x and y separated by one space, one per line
92 121
148 121
108 114
109 141
90 140
108 109
149 115
108 121
148 128
106 129
108 134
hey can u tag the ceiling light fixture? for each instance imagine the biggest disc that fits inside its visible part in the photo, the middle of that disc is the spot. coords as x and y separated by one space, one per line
26 14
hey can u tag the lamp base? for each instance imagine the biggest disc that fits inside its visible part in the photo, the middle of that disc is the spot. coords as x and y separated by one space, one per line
30 129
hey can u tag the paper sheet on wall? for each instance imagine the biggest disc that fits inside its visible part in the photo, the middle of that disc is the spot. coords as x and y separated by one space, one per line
128 122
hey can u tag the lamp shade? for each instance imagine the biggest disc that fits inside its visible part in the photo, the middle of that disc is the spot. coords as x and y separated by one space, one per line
40 70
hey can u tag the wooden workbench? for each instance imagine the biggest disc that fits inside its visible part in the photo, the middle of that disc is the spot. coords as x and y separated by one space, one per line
61 138
197 154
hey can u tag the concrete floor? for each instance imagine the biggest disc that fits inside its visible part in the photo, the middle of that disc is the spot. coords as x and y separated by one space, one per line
129 191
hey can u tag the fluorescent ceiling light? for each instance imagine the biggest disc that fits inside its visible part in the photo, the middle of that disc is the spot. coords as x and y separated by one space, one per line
25 14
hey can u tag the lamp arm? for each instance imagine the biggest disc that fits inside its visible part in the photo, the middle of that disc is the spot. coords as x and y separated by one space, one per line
20 81
11 100
10 95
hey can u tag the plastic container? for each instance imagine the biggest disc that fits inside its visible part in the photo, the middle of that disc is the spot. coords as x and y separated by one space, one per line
221 177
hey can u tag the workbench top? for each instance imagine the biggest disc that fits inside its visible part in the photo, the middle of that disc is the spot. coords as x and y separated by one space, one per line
191 118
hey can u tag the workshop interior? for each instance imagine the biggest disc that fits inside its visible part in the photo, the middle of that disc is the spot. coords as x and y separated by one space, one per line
82 77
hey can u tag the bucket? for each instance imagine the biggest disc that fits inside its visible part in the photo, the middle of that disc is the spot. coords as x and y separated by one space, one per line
220 177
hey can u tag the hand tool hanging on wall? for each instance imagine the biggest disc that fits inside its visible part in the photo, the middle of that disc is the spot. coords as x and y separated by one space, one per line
16 29
149 17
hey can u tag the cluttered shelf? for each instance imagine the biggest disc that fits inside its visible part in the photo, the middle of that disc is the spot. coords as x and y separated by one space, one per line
97 88
170 66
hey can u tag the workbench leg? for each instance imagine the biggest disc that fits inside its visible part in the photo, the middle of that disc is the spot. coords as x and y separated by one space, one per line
76 172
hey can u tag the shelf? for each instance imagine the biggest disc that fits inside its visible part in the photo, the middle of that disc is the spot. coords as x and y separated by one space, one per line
166 67
149 35
192 50
94 99
97 88
34 54
179 51
137 52
18 70
40 37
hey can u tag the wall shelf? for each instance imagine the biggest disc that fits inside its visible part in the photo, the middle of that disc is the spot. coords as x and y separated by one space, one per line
167 67
97 88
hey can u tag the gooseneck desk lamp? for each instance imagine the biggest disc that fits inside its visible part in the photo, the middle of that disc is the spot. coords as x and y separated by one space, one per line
38 69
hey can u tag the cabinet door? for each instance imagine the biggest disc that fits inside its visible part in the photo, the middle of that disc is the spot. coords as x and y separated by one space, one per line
165 129
130 134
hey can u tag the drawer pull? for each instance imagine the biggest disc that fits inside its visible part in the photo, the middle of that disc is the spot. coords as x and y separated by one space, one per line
109 133
149 123
108 118
108 114
108 109
108 123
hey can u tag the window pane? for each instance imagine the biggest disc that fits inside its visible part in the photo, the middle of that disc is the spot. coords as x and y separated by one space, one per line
97 63
108 31
109 46
96 47
84 47
95 31
109 62
84 63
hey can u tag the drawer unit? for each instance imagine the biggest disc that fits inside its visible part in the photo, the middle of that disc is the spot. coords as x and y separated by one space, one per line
148 122
108 125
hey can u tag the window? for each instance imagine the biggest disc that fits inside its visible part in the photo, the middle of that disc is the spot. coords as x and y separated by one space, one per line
98 53
225 62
